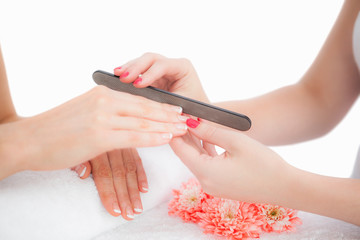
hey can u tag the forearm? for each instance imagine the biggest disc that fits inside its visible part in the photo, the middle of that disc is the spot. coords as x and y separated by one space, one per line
287 115
11 153
332 197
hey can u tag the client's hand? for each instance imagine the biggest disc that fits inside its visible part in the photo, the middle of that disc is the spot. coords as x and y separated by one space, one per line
246 171
173 75
98 121
119 176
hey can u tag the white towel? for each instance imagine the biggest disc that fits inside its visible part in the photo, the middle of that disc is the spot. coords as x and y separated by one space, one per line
59 205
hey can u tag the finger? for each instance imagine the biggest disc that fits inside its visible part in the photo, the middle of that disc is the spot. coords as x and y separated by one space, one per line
210 133
210 148
83 170
112 102
132 139
130 71
147 109
132 182
141 175
104 183
188 152
145 125
170 68
120 183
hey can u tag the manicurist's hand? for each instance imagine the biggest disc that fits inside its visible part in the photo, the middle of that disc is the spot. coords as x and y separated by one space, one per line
246 171
170 74
96 122
176 75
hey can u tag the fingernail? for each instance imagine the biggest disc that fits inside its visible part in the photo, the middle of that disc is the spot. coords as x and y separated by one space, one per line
177 109
192 123
182 118
144 187
116 208
125 74
138 80
118 68
129 213
138 210
167 135
181 126
137 207
82 172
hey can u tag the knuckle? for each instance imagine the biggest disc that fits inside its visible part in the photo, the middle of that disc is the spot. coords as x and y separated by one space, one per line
118 172
185 61
151 55
144 124
134 138
130 167
146 110
100 90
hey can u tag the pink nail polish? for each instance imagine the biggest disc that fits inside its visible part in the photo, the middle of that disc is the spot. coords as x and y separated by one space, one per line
125 74
192 123
118 68
137 81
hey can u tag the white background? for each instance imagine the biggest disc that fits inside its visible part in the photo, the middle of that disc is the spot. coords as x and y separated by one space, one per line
240 49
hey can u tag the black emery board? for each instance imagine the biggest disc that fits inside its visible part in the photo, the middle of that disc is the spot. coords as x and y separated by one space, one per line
190 106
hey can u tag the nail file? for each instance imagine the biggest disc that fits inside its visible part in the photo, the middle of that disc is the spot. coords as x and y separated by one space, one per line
190 106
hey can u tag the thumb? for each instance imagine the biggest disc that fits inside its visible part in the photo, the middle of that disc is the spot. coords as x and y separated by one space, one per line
213 134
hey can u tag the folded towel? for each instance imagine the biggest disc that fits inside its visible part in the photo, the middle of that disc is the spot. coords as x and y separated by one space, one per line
59 205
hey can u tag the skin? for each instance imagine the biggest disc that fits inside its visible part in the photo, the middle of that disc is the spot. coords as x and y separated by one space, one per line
95 125
250 171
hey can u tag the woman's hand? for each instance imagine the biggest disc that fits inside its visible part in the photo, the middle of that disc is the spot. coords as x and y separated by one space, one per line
119 176
98 121
170 74
246 171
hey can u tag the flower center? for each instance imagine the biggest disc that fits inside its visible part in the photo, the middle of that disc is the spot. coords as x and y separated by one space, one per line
193 199
274 213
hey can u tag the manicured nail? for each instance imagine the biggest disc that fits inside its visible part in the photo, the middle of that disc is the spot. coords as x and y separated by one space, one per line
129 213
181 126
192 123
145 189
116 208
82 172
137 207
138 80
167 135
118 68
182 118
177 109
125 74
138 210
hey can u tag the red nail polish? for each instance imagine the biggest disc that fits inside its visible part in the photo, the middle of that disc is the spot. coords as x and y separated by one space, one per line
125 74
198 119
118 68
192 123
138 80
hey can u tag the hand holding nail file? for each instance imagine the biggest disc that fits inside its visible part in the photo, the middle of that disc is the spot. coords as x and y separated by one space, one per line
190 106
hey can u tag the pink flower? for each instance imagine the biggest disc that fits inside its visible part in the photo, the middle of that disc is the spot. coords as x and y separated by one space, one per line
278 219
232 219
188 201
